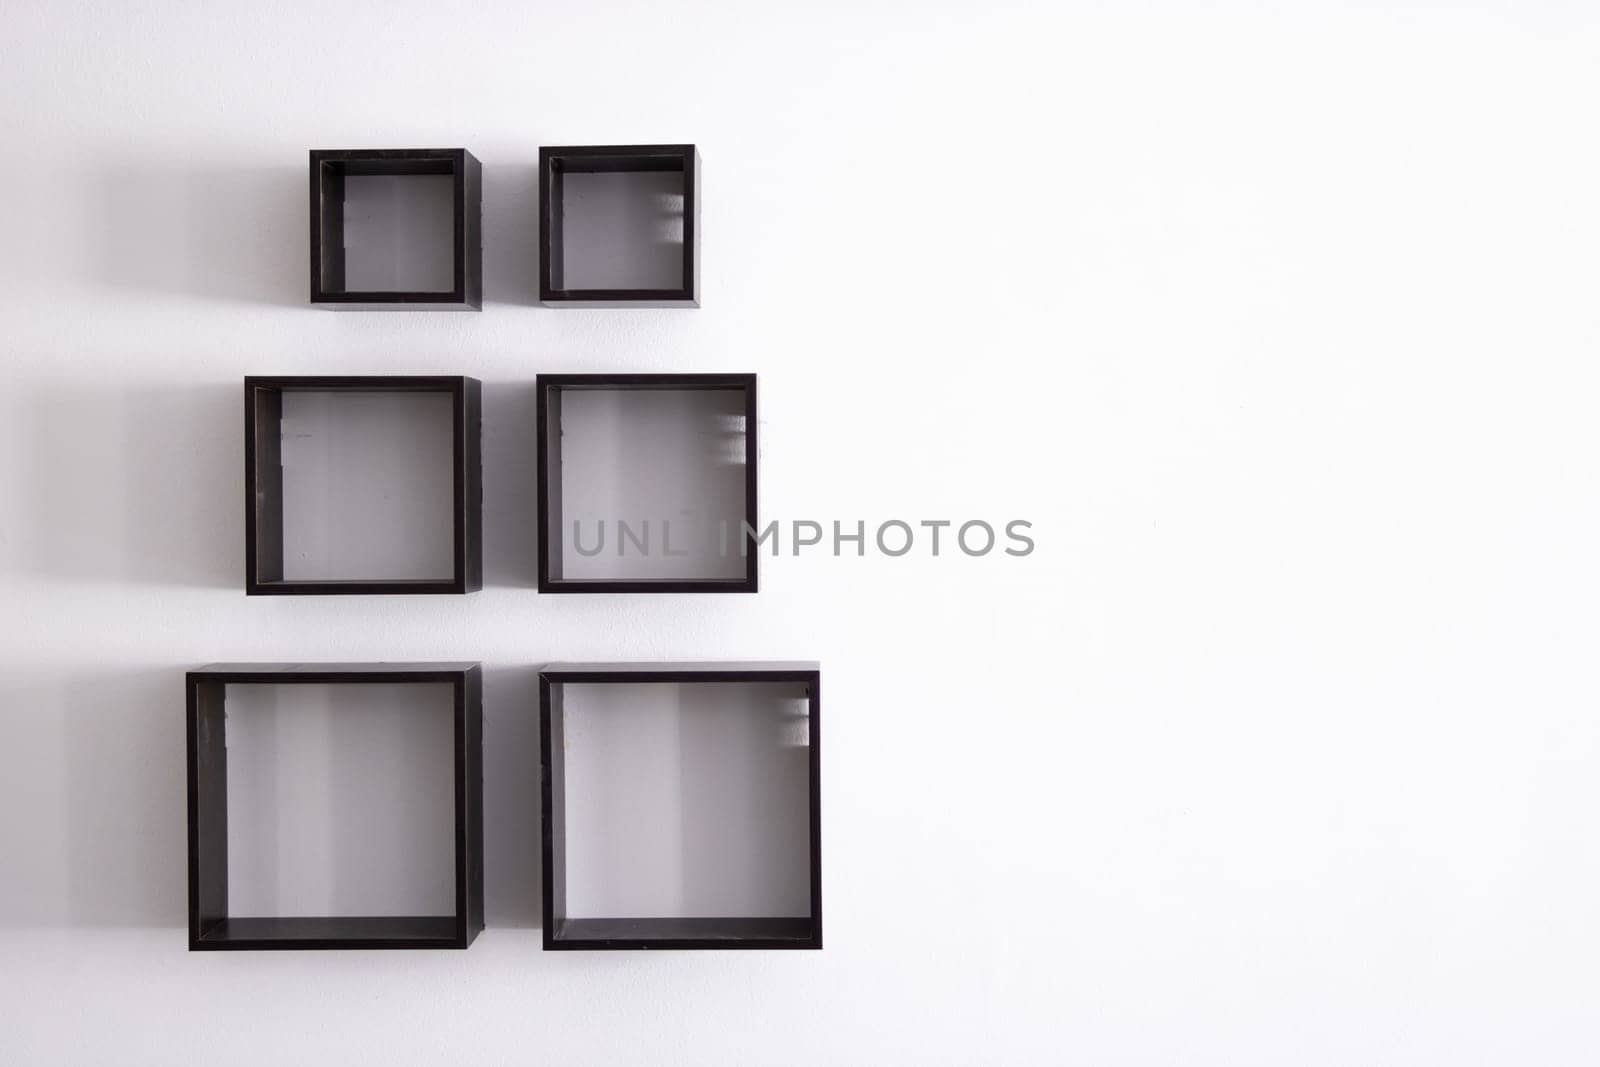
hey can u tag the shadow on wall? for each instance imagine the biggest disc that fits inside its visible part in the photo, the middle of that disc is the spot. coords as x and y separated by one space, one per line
216 233
512 877
510 232
135 483
96 819
142 484
243 234
145 484
510 490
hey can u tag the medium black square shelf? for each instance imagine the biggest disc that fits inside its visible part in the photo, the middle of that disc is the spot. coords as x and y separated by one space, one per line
619 226
363 485
396 230
647 483
273 836
681 805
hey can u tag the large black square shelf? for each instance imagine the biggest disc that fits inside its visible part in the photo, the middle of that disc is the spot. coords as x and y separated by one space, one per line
619 226
681 805
647 483
363 485
396 230
359 735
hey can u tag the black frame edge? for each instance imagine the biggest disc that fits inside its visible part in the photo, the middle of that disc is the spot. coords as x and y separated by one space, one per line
466 292
547 408
466 490
555 675
467 686
551 294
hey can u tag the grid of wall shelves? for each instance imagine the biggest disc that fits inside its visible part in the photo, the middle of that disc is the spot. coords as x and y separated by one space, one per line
340 805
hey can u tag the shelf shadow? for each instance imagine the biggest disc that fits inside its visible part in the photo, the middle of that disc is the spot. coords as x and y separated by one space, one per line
511 233
94 816
235 233
137 484
510 500
512 874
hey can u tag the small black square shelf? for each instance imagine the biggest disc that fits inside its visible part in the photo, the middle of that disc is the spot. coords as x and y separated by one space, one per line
396 230
647 483
681 805
619 226
388 732
363 485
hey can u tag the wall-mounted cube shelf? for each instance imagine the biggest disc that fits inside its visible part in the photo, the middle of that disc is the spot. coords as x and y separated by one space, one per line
396 230
348 844
619 226
362 485
681 805
647 483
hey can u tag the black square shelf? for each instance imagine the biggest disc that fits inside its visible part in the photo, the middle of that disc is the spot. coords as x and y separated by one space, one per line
619 226
386 729
396 230
647 483
681 805
363 485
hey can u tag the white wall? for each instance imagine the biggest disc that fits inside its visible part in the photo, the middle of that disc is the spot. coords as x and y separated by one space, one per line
1278 322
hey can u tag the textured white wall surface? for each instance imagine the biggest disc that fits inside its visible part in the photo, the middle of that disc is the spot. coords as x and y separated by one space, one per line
1278 323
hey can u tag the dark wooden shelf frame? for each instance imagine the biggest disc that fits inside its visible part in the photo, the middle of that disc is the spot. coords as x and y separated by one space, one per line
621 932
263 484
211 928
547 404
556 162
330 167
